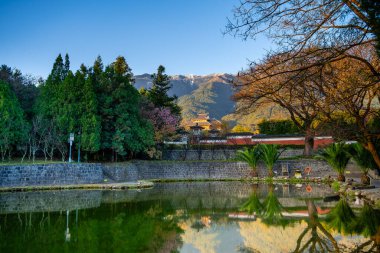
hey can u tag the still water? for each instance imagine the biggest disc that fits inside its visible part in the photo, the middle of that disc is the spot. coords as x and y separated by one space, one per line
202 217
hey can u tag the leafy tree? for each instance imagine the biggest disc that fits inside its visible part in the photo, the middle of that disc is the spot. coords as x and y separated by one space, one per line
337 157
13 128
23 86
314 36
90 121
123 130
250 156
278 127
164 122
240 129
158 93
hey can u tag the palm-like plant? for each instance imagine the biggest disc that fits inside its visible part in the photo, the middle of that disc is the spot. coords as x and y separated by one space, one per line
269 155
337 157
342 218
250 156
363 159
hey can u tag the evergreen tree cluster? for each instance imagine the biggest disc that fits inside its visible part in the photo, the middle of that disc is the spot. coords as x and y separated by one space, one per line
98 104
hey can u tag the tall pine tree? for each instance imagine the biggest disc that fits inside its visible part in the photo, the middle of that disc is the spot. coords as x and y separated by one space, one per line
158 94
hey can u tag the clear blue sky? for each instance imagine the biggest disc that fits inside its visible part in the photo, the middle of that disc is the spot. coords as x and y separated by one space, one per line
183 35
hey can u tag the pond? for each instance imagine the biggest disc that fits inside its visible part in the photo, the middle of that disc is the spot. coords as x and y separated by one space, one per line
188 217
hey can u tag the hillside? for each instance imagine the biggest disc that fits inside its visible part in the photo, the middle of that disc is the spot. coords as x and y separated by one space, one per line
198 94
212 94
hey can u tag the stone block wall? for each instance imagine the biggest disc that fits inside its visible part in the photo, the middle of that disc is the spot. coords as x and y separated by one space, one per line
224 170
217 154
50 174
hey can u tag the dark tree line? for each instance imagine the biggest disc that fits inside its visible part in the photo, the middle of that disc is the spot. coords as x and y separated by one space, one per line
98 104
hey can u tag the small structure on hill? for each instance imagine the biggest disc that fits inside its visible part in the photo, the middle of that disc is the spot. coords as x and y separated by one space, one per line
203 120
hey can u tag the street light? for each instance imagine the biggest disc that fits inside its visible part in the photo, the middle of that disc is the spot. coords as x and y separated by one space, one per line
79 136
71 139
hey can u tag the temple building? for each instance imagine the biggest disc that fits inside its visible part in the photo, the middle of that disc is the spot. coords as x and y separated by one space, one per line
203 120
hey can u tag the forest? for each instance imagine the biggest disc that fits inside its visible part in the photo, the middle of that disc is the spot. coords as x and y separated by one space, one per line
110 119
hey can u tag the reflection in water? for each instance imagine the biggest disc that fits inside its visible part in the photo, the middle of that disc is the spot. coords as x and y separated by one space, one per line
187 217
320 240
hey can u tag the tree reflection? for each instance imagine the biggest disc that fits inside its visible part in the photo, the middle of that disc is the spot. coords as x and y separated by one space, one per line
272 209
320 239
253 204
368 224
341 218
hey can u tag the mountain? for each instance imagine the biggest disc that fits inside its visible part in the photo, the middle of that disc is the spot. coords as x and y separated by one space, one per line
198 94
212 94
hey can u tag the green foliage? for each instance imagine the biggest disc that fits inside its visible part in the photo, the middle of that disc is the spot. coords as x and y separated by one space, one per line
278 127
341 218
362 157
252 205
337 156
269 155
335 186
368 221
250 155
101 104
13 127
158 93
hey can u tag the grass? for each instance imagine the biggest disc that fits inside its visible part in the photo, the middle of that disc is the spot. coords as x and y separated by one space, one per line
29 162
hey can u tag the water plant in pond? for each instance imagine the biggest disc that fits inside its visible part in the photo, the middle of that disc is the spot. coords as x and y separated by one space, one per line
363 159
269 155
250 156
337 156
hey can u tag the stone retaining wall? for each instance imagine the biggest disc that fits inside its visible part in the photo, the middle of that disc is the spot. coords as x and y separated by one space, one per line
63 174
217 154
50 174
222 170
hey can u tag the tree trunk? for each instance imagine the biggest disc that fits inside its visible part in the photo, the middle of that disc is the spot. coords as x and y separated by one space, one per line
365 179
309 143
341 178
372 149
254 173
270 172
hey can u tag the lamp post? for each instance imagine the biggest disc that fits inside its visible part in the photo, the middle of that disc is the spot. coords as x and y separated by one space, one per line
71 139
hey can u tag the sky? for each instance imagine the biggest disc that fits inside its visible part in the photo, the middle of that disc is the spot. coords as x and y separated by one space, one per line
186 36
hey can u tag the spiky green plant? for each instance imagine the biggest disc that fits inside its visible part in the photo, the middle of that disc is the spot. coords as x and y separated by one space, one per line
272 209
342 218
269 155
363 159
368 221
250 156
337 156
252 205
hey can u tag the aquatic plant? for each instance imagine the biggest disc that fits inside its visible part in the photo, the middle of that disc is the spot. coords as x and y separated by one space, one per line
337 157
250 156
